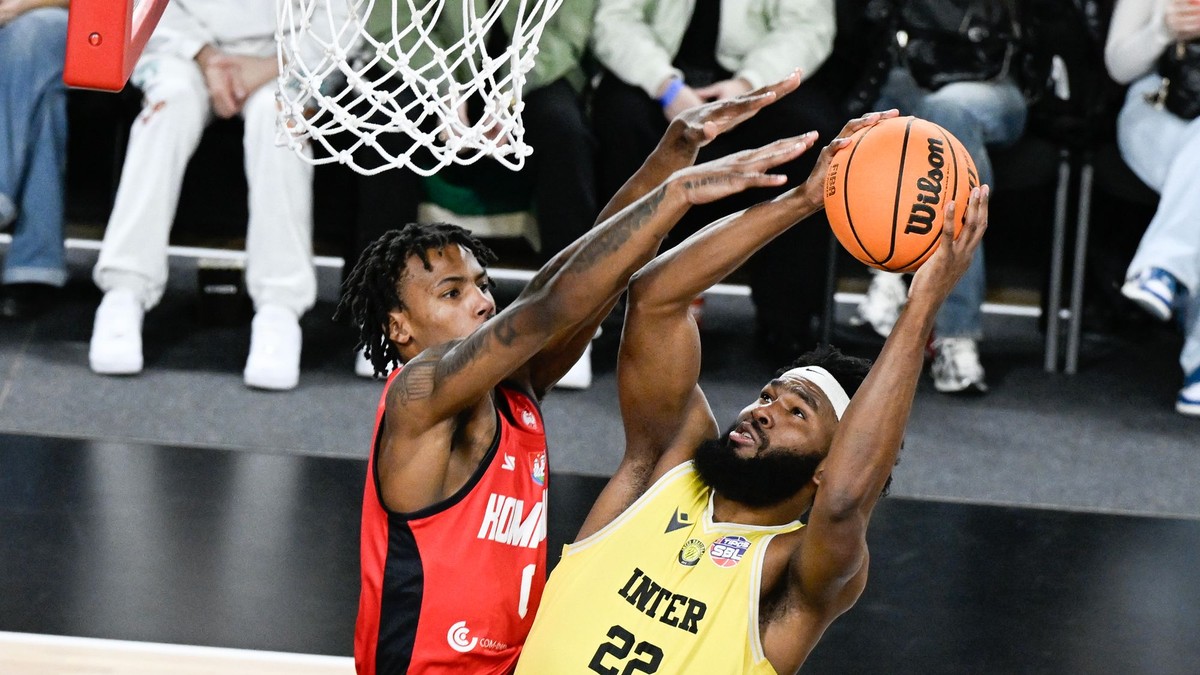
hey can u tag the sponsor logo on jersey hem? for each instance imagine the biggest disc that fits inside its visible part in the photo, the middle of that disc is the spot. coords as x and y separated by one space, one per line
678 522
457 638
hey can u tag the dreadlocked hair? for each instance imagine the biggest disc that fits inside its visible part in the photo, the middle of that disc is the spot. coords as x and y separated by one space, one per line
372 289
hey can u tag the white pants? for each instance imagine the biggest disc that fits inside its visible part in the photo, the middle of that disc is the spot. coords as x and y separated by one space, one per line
279 264
1164 151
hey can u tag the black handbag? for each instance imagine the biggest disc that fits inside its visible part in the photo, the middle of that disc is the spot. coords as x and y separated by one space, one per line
945 41
1179 66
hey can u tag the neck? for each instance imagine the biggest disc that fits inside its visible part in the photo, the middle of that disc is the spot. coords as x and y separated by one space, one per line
728 511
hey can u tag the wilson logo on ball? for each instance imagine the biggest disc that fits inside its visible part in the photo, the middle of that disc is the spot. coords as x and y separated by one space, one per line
886 191
929 193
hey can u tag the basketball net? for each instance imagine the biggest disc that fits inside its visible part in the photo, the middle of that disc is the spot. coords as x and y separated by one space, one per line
341 88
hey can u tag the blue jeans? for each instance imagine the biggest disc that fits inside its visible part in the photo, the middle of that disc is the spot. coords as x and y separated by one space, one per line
978 114
1164 151
33 139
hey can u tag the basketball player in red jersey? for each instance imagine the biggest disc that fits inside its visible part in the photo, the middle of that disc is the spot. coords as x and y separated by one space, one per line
694 558
453 526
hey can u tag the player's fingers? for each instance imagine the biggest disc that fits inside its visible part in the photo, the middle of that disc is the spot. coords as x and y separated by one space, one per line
867 120
783 150
977 213
947 234
756 179
783 87
730 112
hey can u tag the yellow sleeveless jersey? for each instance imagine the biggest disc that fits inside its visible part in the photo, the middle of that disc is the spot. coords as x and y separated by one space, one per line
661 589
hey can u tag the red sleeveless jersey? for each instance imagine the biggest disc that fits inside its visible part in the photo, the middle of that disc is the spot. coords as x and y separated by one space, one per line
453 588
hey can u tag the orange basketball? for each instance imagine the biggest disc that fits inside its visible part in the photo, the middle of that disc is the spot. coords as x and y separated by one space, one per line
886 191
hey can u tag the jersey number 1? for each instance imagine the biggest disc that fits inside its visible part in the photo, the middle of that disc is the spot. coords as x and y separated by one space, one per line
526 584
649 656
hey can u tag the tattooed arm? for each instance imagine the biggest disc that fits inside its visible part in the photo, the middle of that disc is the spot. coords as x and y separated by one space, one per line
440 418
690 131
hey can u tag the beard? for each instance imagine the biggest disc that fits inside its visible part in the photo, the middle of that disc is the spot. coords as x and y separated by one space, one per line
766 479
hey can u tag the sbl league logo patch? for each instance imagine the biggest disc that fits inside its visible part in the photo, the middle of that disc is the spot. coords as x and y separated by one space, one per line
728 551
691 553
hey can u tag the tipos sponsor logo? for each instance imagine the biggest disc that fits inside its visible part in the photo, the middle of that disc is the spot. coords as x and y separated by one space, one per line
728 551
691 553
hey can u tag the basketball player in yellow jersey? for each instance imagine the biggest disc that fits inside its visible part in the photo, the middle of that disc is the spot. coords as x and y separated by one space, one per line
693 559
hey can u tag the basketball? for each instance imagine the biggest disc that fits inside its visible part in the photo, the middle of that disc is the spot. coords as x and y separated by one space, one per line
886 191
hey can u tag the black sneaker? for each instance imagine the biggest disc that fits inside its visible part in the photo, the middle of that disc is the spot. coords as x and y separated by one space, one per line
25 301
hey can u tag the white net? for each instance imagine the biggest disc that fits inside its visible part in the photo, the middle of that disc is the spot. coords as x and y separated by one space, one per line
354 73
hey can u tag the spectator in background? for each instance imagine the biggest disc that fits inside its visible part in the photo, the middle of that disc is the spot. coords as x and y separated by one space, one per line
952 67
33 140
561 171
1159 138
206 58
661 57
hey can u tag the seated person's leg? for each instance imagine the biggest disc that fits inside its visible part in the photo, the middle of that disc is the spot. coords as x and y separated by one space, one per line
132 267
280 278
978 114
32 159
1188 402
787 277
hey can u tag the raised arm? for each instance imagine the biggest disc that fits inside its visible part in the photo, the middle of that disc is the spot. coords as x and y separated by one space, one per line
664 412
691 130
441 382
867 441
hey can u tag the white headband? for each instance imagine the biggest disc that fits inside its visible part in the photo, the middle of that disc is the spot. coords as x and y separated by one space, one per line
827 383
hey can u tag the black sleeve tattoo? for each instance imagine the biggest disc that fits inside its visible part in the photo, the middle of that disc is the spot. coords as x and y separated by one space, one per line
612 238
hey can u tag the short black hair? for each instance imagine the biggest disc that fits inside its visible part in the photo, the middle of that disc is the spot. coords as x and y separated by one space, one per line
849 371
372 289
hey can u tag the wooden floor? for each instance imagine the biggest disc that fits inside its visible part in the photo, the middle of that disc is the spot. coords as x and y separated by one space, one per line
128 558
29 654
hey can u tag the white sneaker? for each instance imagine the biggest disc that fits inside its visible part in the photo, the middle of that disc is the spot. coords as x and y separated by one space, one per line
364 368
580 374
274 361
956 368
116 347
881 306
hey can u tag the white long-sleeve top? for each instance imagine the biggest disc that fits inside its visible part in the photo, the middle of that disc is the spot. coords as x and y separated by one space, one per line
760 41
245 27
1137 36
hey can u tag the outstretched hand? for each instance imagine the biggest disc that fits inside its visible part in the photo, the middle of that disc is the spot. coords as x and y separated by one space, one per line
696 127
813 189
946 266
724 176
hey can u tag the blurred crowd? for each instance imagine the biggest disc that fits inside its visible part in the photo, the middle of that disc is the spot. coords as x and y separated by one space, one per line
609 76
